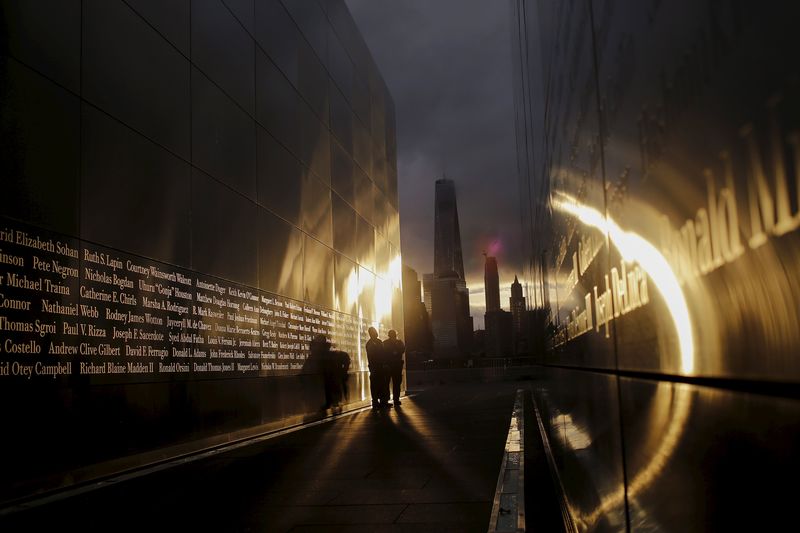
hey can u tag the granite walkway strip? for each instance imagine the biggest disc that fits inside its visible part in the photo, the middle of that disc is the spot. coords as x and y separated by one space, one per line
508 510
431 465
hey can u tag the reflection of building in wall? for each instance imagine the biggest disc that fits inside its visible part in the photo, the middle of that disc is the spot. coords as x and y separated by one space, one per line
450 320
517 306
418 337
491 284
242 162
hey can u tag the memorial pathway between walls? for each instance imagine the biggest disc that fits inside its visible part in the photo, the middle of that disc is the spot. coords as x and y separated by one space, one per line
431 465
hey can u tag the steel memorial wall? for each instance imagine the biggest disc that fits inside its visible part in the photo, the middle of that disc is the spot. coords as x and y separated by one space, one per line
72 310
660 176
190 191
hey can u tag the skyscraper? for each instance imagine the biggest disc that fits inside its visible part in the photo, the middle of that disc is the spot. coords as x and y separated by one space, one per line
491 283
447 236
419 340
498 322
517 305
427 287
450 320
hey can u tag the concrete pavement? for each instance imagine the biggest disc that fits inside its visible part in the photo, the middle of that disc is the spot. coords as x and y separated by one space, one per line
431 465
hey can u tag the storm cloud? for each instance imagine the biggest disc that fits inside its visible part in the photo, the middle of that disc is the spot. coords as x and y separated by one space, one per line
448 66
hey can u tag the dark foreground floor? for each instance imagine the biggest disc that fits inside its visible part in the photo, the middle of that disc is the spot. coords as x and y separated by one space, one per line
431 465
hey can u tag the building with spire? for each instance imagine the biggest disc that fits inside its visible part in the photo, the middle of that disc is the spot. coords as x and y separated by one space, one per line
450 320
518 315
517 306
447 257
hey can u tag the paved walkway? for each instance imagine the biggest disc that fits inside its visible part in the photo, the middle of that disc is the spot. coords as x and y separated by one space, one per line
431 465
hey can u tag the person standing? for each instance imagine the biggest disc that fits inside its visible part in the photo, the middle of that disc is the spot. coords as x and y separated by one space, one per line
394 348
376 358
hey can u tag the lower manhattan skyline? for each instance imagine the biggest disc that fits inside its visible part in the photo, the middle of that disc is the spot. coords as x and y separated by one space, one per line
445 70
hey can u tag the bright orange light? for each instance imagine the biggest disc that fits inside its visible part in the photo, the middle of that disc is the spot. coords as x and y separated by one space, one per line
383 300
676 400
634 248
395 273
353 290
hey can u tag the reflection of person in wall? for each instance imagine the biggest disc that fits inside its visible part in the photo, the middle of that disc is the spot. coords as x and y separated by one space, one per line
342 367
394 348
377 374
321 361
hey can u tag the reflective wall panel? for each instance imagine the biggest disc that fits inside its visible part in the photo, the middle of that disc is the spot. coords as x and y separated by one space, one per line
181 215
727 456
582 421
143 86
40 149
659 177
119 163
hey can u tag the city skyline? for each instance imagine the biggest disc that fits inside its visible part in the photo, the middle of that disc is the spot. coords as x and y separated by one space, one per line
451 82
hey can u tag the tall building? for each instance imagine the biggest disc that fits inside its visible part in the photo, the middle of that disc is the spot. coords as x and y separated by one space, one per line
447 255
450 320
418 337
491 284
497 322
219 188
499 333
427 287
451 323
517 307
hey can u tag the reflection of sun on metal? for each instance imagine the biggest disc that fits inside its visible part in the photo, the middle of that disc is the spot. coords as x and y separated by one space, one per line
634 248
352 289
383 300
573 435
396 271
677 400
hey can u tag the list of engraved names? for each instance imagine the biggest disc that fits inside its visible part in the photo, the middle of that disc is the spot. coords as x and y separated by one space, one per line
74 310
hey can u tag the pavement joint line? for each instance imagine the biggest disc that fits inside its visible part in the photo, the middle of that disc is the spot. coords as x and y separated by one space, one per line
63 494
508 514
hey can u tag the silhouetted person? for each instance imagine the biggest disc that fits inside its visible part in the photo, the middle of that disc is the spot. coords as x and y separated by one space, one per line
376 358
394 349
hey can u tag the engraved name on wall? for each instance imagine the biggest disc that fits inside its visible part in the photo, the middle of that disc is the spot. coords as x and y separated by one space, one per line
72 310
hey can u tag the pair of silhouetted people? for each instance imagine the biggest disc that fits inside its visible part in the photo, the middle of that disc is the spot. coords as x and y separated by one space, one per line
385 360
333 365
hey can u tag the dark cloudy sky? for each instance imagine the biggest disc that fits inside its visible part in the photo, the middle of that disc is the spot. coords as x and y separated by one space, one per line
447 64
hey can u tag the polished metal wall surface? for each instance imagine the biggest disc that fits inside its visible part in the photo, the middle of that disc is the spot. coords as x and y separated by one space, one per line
225 168
660 175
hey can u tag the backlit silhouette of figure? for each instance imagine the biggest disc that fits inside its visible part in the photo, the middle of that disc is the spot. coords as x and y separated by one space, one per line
394 349
376 358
